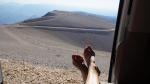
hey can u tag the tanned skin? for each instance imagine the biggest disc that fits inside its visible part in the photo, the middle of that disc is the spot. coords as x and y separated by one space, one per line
86 64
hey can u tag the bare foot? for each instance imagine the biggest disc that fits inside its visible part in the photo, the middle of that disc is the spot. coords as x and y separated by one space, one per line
88 52
78 61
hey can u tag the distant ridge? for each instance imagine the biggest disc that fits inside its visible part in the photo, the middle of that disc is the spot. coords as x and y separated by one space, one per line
57 18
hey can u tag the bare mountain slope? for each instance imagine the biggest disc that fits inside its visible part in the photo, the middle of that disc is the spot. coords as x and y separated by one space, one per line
70 19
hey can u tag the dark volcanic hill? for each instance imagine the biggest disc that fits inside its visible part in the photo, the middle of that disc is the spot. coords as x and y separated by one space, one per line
71 19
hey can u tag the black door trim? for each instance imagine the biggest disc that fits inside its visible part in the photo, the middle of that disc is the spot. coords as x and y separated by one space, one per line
113 53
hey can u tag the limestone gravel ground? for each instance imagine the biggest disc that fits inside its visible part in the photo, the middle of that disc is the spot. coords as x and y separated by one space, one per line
23 73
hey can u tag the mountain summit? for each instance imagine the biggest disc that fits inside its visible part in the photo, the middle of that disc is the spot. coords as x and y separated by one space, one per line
59 18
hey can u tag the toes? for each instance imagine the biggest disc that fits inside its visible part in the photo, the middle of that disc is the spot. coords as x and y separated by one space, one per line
77 60
88 52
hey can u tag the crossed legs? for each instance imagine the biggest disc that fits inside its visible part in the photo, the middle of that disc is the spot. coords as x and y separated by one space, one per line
86 66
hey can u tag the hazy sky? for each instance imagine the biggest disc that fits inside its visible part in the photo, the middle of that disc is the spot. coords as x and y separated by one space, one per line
105 5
